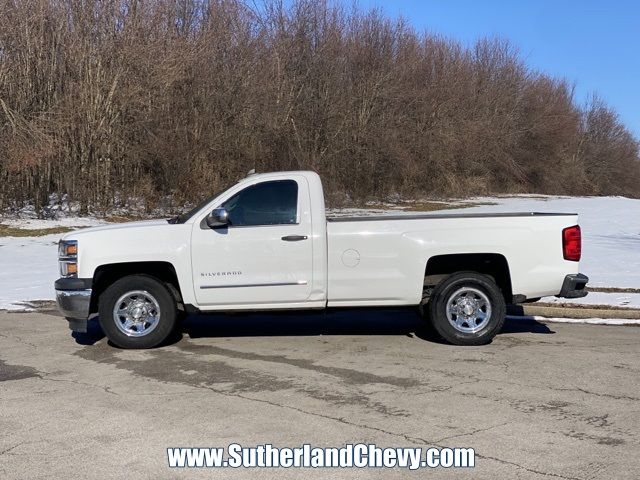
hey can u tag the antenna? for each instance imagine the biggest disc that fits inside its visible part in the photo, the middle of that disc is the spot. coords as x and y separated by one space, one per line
251 172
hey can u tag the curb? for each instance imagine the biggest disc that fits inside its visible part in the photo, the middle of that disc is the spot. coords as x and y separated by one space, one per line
577 313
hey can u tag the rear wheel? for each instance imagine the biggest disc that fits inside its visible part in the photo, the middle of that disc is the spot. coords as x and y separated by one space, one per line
137 311
467 308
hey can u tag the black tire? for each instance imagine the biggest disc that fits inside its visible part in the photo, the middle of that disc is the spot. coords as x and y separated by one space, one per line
482 290
156 290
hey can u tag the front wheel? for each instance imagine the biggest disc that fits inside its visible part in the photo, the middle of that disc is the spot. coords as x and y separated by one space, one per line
137 311
467 308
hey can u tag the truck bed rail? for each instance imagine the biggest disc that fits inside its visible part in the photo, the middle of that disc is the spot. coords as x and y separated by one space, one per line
364 218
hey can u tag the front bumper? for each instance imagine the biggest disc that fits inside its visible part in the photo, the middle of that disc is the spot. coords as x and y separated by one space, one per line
574 286
73 296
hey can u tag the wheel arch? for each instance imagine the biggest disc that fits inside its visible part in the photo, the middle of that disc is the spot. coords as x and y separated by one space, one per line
494 265
107 274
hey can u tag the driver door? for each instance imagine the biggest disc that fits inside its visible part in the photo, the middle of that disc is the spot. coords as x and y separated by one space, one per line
263 256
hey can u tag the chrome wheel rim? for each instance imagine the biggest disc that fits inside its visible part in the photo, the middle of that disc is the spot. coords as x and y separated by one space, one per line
136 313
468 310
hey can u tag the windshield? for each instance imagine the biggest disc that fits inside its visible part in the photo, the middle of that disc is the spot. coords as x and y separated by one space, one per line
183 217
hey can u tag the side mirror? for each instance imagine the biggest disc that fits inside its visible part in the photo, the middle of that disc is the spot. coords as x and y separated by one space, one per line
218 218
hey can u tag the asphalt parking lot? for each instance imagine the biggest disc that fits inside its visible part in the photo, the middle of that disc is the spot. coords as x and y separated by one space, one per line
542 401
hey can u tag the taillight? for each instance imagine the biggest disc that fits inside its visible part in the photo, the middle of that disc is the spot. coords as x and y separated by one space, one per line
572 243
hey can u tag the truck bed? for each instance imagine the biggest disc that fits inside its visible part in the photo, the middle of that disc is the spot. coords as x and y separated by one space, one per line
383 257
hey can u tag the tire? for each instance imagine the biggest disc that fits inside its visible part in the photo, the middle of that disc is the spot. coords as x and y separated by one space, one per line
467 308
148 314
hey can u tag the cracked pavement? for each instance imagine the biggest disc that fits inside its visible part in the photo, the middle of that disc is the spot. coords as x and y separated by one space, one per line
541 401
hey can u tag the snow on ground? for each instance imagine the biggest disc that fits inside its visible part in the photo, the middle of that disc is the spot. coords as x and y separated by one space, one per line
29 265
618 300
610 254
37 224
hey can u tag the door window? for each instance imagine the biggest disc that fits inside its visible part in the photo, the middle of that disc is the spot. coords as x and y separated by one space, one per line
267 203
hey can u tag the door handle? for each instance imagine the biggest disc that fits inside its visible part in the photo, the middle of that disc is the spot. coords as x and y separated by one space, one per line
294 238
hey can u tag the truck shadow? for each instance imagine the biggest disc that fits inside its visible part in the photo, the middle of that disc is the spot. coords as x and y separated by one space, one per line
361 321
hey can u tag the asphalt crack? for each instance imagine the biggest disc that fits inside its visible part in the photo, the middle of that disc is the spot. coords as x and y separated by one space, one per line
473 432
46 376
3 452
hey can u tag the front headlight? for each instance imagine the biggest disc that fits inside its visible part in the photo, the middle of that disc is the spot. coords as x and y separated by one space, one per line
68 258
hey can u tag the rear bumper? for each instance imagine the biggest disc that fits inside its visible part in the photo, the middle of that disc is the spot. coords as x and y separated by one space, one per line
574 286
73 296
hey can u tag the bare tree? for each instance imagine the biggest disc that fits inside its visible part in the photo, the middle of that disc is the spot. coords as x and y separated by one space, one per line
125 103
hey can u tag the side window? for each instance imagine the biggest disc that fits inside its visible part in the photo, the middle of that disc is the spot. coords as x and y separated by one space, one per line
267 203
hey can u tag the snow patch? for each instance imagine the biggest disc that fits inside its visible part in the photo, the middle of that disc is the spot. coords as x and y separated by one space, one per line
29 268
39 224
619 300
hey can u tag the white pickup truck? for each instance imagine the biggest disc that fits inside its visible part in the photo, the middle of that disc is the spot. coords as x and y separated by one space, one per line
266 243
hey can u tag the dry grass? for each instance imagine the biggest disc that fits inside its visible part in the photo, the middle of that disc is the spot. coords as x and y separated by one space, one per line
38 306
581 306
122 218
422 206
8 231
613 290
432 206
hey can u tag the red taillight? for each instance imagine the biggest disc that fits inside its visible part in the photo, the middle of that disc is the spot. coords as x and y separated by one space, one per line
572 243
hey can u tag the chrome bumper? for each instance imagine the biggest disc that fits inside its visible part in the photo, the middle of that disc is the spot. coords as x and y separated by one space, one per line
74 303
73 296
